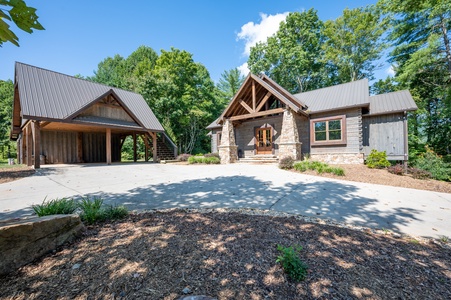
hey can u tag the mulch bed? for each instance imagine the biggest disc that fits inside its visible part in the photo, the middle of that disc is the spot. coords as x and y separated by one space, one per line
231 255
12 173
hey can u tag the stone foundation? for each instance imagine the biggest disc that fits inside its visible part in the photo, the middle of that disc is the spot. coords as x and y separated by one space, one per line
339 158
228 150
289 144
22 241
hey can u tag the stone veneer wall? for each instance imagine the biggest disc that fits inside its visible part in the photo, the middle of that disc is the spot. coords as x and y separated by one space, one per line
228 149
339 158
289 145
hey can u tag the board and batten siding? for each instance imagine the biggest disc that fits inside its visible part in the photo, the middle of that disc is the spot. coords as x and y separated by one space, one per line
303 126
214 139
354 134
59 147
245 136
107 111
384 133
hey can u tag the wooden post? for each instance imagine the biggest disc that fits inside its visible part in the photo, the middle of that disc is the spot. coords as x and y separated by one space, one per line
154 144
29 147
37 143
80 147
134 148
108 146
254 97
22 148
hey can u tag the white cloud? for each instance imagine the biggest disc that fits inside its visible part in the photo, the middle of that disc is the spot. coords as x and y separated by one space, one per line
390 71
244 69
252 33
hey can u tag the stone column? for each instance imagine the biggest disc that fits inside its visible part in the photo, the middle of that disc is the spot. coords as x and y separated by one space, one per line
228 149
289 144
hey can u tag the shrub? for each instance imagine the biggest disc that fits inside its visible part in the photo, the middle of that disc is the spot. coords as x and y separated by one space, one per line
112 212
295 268
377 160
301 166
317 166
397 169
216 154
203 160
183 157
419 174
434 164
92 211
55 207
286 163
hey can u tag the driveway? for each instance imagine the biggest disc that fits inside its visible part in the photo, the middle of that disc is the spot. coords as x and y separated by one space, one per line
144 186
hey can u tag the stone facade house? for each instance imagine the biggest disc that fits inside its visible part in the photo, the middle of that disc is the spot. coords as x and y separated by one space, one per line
338 124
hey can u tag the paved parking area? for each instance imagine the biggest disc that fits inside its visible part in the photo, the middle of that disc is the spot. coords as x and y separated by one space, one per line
145 186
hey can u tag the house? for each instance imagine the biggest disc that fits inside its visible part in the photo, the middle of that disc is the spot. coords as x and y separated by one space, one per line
63 119
338 124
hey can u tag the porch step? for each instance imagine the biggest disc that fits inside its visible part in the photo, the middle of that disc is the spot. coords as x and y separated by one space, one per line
260 159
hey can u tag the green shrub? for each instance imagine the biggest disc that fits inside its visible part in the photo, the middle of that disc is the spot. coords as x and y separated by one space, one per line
183 157
286 163
377 160
295 268
203 160
317 166
55 207
397 169
419 174
112 212
434 164
216 154
92 211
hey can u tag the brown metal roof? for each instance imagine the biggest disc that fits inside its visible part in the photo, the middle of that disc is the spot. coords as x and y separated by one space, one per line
214 124
391 103
352 94
46 94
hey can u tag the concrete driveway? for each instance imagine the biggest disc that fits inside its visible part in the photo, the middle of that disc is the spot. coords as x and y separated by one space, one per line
142 186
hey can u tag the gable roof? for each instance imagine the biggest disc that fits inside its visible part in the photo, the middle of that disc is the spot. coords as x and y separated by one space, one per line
391 102
49 95
351 94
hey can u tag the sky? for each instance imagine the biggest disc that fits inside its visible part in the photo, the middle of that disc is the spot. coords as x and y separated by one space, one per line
80 34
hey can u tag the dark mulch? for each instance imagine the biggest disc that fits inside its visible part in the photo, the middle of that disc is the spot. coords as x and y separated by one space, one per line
12 173
229 255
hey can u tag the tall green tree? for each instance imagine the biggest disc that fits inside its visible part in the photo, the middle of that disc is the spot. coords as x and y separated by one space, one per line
229 82
292 57
353 44
6 104
17 12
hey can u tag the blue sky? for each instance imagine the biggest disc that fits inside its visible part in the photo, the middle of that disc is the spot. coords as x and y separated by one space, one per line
80 34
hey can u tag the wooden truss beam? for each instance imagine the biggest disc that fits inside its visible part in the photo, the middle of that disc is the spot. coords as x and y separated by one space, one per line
258 114
259 107
244 104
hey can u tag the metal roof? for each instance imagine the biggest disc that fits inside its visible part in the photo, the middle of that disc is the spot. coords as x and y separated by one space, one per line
214 124
352 94
46 94
392 102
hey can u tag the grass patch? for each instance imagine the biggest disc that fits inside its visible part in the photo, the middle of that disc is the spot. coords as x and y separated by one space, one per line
317 166
295 268
203 160
56 206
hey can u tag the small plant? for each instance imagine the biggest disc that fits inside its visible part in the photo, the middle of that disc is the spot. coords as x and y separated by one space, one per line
419 174
183 157
216 154
295 268
386 231
317 166
112 212
203 160
55 207
286 163
91 209
397 169
444 239
377 160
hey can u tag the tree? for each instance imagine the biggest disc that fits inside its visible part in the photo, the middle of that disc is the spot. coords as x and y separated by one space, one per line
17 12
292 57
6 104
353 44
230 82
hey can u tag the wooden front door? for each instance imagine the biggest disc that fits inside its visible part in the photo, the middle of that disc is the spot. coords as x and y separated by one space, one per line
264 140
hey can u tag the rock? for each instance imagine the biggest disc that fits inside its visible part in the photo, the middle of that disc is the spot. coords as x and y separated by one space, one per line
186 291
76 266
199 297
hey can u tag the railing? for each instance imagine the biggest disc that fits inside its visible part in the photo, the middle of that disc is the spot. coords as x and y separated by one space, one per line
168 142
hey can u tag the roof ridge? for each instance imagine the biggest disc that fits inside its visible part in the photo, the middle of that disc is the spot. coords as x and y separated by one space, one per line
73 77
327 87
394 92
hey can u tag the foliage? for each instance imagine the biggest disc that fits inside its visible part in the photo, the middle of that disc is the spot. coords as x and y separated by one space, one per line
229 84
23 16
434 164
353 44
55 207
92 211
377 160
7 147
286 163
184 157
292 57
397 169
295 268
203 160
419 174
216 154
317 166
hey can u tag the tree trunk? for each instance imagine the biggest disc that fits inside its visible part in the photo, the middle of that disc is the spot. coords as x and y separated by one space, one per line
446 42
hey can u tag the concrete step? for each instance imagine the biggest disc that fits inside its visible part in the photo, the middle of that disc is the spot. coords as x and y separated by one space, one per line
260 159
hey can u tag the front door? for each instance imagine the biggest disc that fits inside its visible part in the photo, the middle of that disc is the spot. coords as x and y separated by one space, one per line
264 140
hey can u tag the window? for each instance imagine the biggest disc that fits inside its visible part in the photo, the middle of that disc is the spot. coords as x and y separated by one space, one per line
218 138
328 131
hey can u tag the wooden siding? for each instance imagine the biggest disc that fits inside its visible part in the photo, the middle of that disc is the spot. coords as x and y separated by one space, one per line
384 133
94 147
303 124
354 133
214 140
59 147
245 136
107 111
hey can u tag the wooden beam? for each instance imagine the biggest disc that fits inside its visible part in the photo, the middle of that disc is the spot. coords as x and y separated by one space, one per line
146 146
259 107
254 97
244 104
154 140
258 114
108 146
80 147
135 156
28 146
36 143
